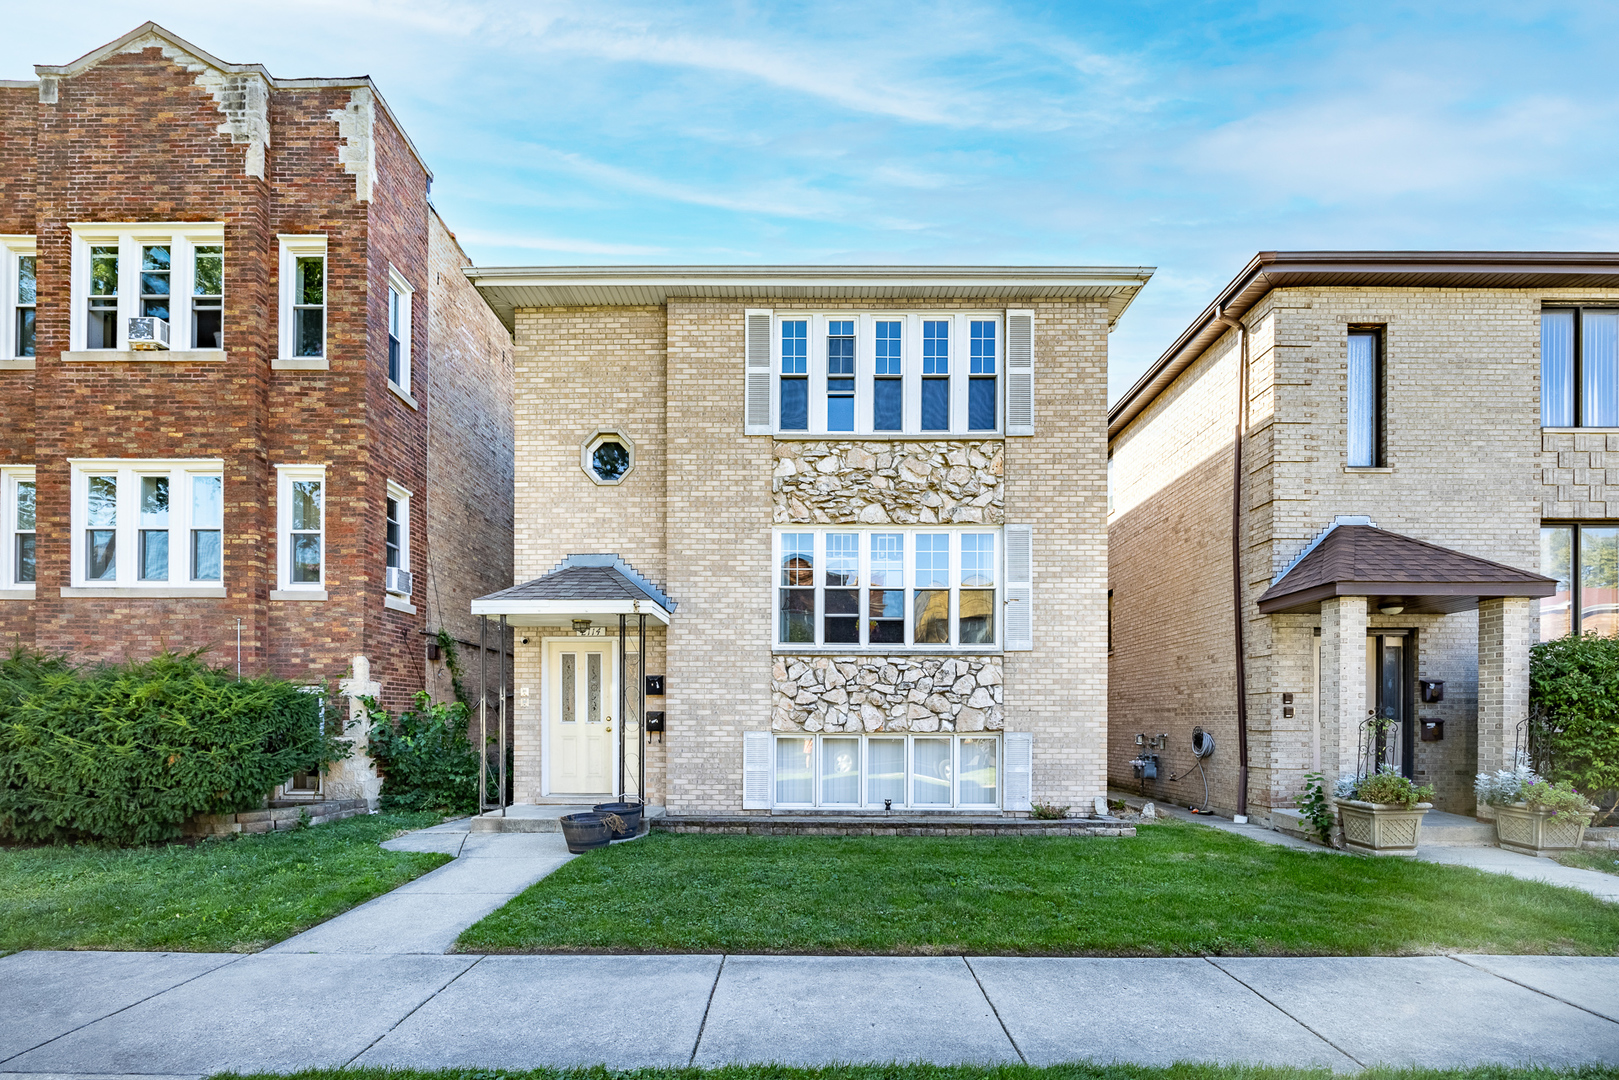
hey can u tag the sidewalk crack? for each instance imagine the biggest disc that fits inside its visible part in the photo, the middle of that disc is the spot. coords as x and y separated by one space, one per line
1536 989
1284 1012
707 1006
1008 1031
413 1010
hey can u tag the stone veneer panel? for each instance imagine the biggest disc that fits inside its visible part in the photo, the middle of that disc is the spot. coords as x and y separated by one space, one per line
886 693
911 483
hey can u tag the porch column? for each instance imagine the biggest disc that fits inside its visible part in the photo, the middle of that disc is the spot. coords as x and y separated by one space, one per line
1503 679
1343 683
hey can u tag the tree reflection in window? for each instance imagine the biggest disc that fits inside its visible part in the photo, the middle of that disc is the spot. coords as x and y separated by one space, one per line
610 461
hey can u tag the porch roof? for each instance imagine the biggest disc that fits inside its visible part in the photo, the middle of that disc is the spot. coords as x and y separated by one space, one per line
580 586
1363 560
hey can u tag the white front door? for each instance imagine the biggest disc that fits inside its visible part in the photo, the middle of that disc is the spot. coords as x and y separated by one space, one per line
581 702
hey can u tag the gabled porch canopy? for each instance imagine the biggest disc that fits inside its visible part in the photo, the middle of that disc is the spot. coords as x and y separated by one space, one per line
1423 578
579 587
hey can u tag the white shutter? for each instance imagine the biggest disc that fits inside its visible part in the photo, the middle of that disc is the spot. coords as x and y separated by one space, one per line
1019 588
756 394
1020 373
756 770
1019 769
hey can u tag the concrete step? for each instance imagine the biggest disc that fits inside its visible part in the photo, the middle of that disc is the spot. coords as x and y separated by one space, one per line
528 818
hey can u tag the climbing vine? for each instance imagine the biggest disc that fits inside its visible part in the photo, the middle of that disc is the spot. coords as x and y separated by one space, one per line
452 661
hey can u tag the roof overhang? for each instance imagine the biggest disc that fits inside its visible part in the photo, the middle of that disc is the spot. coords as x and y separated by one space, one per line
508 289
1377 269
1419 597
564 612
589 586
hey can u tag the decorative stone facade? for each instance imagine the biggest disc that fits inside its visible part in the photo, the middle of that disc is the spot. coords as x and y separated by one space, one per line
909 483
886 693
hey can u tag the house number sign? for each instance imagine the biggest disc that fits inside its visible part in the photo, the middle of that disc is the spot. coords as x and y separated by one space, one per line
591 631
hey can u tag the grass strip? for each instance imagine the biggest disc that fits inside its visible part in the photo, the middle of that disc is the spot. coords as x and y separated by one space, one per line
234 894
1185 1071
1605 860
1176 889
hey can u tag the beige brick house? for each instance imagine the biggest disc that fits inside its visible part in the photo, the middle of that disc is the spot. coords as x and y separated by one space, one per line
852 518
1411 451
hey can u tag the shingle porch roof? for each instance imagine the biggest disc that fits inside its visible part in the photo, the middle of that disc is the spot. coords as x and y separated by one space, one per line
579 586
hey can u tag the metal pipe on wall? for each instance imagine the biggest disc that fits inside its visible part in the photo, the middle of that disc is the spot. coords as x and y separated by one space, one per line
1236 558
502 797
621 740
483 713
640 720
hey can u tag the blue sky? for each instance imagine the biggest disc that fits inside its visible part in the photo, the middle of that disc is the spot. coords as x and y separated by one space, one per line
1182 136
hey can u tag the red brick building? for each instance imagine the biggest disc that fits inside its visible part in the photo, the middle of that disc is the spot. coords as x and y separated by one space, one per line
240 374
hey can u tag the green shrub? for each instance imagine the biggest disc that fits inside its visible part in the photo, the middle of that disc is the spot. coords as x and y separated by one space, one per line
124 754
425 756
1574 695
1391 789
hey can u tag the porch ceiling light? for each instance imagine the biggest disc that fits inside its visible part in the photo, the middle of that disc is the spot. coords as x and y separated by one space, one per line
581 625
1391 607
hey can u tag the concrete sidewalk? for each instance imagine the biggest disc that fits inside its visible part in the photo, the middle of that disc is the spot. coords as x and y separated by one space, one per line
121 1014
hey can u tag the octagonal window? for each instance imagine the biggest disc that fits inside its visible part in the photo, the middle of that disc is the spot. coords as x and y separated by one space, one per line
608 457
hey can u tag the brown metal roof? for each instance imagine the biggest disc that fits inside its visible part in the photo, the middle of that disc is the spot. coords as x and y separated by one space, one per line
1422 269
1360 560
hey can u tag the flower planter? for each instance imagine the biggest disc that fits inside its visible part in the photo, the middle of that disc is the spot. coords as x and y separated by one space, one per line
1380 828
582 832
627 814
1530 830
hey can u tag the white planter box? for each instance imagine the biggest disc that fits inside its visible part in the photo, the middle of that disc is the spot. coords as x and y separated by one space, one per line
1381 829
1531 831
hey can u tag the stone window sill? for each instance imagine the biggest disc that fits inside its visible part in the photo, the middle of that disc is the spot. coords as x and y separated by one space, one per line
301 363
20 363
920 653
1368 469
141 356
194 592
403 395
297 594
398 603
1579 431
22 592
887 436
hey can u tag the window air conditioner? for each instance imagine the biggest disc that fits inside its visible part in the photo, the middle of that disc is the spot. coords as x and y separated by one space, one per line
398 581
148 332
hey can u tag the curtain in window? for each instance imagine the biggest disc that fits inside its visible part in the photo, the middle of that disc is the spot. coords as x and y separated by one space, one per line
1362 400
1557 369
1599 368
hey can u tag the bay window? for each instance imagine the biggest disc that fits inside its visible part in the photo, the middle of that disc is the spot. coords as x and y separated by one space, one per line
888 588
173 272
898 771
147 526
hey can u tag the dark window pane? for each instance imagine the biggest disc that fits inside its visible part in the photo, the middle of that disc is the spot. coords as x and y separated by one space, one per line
205 555
25 332
886 611
798 615
843 630
27 291
977 616
207 328
309 332
795 404
887 410
306 558
102 328
101 554
154 555
25 558
843 601
393 359
931 617
310 287
935 404
981 404
610 460
156 309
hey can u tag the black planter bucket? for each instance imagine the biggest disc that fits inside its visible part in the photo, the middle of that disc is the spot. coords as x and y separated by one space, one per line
627 812
584 832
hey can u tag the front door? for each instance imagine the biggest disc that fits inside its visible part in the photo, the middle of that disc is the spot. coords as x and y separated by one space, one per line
583 694
1388 696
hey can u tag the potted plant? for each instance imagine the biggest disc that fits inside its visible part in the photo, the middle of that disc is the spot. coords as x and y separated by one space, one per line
1532 815
1382 814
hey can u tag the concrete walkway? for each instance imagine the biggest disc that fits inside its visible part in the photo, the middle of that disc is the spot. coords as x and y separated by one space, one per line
121 1014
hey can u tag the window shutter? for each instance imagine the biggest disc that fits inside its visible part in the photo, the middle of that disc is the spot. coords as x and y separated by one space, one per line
1019 769
756 770
756 405
1019 588
1020 373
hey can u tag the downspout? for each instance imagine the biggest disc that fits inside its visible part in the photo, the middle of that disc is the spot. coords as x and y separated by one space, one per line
1236 559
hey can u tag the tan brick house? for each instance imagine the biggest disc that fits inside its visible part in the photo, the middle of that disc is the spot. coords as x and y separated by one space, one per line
248 393
1410 449
859 510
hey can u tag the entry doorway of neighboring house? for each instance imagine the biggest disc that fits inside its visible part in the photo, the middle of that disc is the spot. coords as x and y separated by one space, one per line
581 720
1390 659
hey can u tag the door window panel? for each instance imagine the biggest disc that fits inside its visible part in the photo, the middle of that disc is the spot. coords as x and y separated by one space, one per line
570 675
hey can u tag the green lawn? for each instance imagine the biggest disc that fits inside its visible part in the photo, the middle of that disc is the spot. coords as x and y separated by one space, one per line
225 895
1605 860
948 1072
1175 889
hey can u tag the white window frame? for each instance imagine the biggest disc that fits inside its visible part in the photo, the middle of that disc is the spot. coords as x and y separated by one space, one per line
286 588
909 803
126 581
10 477
398 286
394 599
182 239
13 249
291 248
908 575
865 332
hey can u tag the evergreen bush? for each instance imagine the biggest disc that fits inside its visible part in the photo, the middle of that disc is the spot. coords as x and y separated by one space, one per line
1574 697
123 754
426 759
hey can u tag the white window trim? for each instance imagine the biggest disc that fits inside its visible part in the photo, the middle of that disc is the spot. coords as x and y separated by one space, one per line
910 534
397 601
292 246
286 588
10 587
401 386
911 369
909 738
129 471
182 239
13 248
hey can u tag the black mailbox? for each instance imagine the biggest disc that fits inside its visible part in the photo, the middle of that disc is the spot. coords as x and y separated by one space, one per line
654 685
654 721
1432 689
